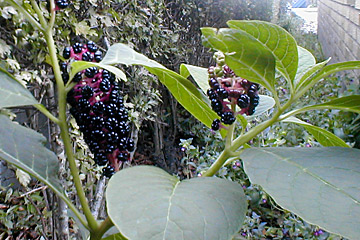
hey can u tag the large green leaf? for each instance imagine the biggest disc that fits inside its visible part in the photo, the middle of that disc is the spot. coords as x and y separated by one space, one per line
199 74
319 72
12 93
306 62
276 39
246 56
324 137
321 185
348 103
117 236
78 66
120 53
190 97
147 203
25 149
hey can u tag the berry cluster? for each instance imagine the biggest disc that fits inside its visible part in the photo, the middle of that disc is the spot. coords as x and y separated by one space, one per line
98 107
61 4
228 90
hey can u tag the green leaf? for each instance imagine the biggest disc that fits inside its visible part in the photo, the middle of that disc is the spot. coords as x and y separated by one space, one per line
78 66
185 92
246 56
309 80
321 185
277 40
25 149
348 103
199 74
117 236
190 97
12 92
306 62
306 80
324 137
120 53
147 203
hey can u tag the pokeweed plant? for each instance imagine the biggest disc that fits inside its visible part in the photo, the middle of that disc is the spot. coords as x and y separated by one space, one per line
318 184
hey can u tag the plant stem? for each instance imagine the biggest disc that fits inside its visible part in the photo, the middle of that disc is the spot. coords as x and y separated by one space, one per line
46 112
218 163
39 14
64 132
104 226
230 151
52 15
26 14
224 155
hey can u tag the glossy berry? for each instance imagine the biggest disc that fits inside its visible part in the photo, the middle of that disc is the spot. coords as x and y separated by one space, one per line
98 56
228 118
86 56
211 94
67 52
77 47
91 46
243 101
215 125
62 3
130 145
91 71
216 105
108 171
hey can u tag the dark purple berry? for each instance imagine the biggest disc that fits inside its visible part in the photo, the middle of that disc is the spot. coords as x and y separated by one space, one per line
255 101
215 125
87 91
98 108
105 85
123 156
62 3
77 47
86 56
216 105
108 171
211 94
98 56
63 67
228 118
91 46
222 93
130 145
67 52
91 71
243 101
78 77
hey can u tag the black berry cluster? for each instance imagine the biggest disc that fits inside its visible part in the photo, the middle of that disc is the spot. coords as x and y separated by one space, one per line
98 107
61 4
228 90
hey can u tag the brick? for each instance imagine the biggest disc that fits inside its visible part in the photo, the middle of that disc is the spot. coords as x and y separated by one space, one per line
351 2
357 4
357 51
349 42
355 16
351 29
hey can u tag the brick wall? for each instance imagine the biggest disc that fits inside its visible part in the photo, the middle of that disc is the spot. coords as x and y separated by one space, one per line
339 30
